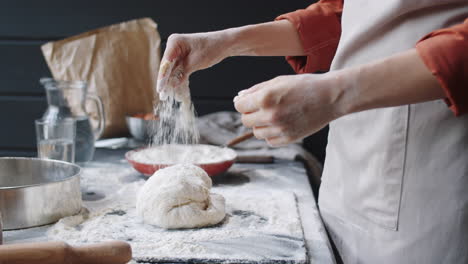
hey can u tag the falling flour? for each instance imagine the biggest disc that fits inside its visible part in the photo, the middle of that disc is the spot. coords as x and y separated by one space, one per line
177 117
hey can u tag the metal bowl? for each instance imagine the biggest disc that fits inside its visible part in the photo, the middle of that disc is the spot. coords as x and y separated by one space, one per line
140 128
36 192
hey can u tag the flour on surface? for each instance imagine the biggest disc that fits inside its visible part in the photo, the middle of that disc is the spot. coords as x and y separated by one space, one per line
177 153
258 214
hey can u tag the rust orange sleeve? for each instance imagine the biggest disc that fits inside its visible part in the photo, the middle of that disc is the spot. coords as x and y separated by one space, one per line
445 53
319 28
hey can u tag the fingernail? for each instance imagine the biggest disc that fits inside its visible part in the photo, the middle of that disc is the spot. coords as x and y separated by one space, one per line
242 92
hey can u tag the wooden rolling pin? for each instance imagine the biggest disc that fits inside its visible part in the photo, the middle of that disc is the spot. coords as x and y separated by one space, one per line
113 252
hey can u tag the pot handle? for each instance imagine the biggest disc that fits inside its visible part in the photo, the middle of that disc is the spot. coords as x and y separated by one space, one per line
102 117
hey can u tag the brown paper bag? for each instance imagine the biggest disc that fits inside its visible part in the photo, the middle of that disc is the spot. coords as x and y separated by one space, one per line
120 63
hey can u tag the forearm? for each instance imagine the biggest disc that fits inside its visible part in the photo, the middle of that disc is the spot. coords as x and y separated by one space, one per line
278 38
400 79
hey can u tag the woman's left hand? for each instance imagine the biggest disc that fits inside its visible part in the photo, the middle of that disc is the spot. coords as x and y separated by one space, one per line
289 108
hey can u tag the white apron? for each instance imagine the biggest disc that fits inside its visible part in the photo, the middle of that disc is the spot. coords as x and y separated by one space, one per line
395 182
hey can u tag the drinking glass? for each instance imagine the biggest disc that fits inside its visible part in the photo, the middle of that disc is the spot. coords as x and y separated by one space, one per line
56 139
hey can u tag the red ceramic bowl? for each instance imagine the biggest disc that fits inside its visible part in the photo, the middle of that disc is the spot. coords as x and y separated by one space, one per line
211 169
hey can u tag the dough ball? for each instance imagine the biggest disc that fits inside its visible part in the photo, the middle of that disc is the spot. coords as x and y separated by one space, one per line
179 197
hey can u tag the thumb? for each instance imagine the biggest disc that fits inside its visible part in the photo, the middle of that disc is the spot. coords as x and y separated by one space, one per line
250 90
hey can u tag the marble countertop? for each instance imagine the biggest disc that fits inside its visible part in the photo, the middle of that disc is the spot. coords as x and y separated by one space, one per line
295 180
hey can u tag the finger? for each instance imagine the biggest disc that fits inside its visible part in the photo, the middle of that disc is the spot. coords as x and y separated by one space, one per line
165 67
255 119
178 81
173 54
162 90
246 104
178 74
278 141
169 68
174 81
173 48
250 90
164 71
264 132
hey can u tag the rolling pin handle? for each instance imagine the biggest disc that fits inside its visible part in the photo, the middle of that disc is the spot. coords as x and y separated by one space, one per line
113 252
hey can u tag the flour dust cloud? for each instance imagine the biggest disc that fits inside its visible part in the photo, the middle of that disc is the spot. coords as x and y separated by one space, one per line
177 123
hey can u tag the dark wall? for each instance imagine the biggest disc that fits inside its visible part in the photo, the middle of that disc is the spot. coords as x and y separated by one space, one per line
25 25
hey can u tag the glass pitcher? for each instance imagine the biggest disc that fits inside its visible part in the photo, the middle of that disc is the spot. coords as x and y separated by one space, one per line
67 99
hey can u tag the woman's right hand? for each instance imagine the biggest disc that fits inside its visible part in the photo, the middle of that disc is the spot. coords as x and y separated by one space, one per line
185 54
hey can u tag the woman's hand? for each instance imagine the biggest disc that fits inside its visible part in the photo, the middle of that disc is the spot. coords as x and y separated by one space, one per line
288 108
185 54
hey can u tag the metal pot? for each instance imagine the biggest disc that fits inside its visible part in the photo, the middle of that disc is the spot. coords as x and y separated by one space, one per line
36 192
140 128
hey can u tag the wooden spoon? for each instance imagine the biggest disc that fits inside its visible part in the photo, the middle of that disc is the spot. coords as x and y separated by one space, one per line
249 158
240 139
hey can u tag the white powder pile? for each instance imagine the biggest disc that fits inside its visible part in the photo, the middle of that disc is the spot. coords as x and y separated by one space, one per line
177 118
177 153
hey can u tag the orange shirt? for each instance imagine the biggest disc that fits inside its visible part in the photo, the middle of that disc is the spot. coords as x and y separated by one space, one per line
444 51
